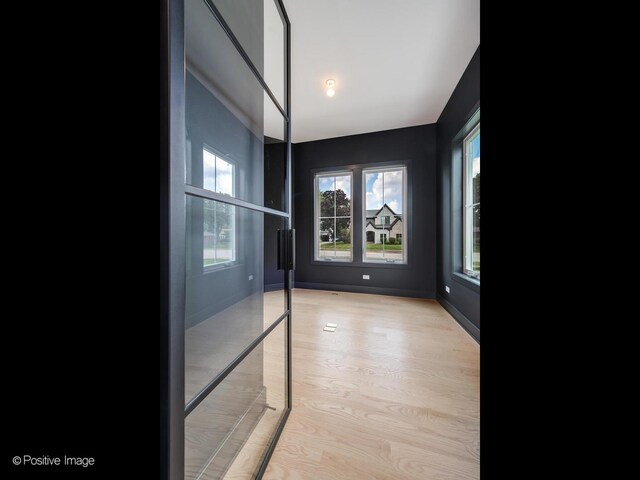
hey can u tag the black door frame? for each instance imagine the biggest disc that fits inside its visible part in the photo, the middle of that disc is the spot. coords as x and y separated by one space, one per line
173 193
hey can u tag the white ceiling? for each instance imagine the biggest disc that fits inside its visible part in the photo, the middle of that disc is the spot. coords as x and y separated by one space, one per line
395 62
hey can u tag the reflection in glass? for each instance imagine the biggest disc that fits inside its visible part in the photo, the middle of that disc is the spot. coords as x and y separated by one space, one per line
261 31
230 431
218 173
274 51
219 233
236 136
233 286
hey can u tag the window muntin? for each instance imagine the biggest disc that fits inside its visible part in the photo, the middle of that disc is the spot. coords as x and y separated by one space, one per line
471 198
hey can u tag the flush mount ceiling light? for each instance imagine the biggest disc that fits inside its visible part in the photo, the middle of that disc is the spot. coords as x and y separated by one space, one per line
330 91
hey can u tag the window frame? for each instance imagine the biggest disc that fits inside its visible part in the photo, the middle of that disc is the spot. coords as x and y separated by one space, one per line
405 214
467 192
316 214
234 228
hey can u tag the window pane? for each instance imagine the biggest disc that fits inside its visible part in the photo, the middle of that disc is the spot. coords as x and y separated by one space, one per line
343 196
224 177
218 173
326 237
209 167
219 233
476 200
327 196
240 416
373 197
343 238
393 191
476 239
384 223
335 238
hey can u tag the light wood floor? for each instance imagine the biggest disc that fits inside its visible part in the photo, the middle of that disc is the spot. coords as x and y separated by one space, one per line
393 393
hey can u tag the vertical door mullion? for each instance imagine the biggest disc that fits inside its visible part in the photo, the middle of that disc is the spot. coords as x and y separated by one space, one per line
172 210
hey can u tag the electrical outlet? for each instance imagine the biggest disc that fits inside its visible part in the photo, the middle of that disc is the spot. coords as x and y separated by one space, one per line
446 287
250 277
365 277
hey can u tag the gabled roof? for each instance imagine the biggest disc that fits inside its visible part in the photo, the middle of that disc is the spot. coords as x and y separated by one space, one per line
376 212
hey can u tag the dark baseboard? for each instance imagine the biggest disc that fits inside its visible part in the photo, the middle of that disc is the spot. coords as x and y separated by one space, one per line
273 286
362 289
460 318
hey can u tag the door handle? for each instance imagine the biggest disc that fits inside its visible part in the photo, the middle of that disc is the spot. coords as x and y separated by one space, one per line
286 249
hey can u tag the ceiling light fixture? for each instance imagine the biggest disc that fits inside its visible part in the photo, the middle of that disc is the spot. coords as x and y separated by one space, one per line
330 91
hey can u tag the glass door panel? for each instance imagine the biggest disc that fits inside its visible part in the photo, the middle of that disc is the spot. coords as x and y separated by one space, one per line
234 289
234 130
236 201
261 31
230 430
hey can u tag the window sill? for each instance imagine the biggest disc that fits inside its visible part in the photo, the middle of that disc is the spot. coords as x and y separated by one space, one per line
467 281
331 262
360 264
374 263
222 267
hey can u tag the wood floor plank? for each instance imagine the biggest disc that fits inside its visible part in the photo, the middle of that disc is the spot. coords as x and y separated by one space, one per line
393 393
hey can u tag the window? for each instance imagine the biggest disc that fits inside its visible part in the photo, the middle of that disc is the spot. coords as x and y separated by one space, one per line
385 220
333 217
217 174
471 198
219 246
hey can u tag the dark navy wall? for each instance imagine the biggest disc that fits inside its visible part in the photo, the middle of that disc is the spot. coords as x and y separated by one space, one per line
463 300
274 173
414 146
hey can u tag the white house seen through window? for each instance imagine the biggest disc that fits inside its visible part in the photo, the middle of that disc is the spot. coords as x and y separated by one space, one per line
219 244
385 220
333 236
472 203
